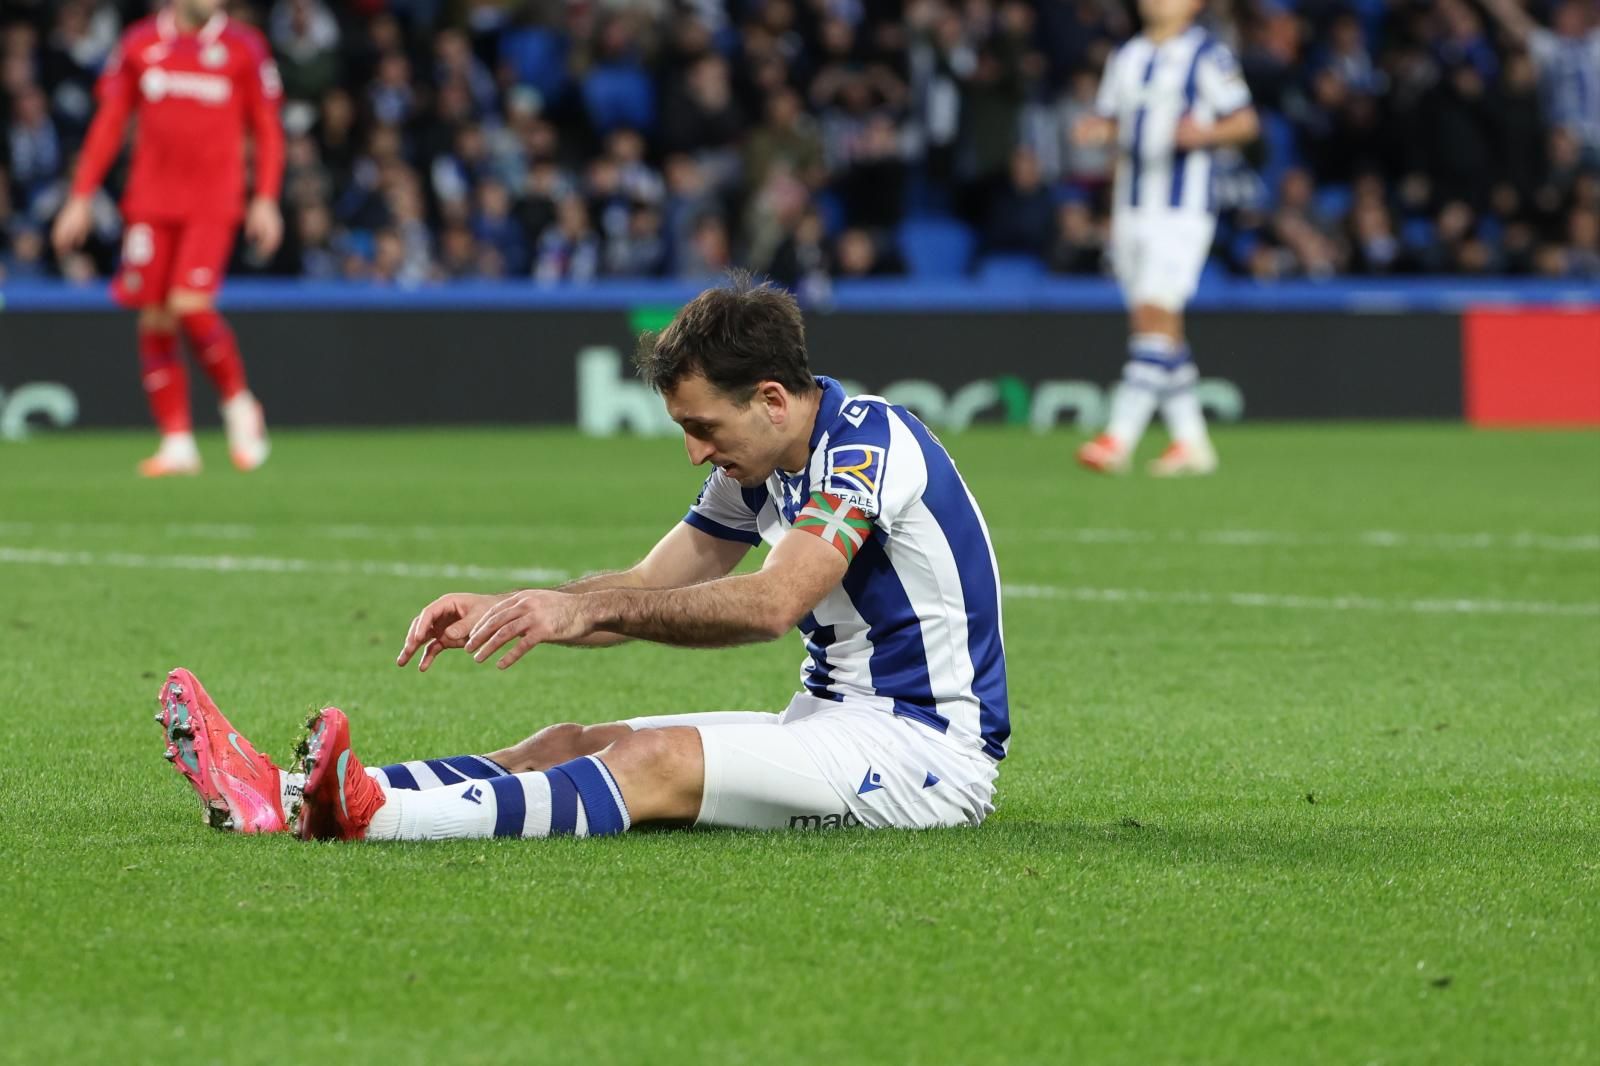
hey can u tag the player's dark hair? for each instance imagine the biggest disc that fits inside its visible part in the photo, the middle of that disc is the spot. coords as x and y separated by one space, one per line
736 335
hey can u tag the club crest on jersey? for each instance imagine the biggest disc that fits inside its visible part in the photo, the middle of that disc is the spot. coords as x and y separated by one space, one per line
214 54
855 475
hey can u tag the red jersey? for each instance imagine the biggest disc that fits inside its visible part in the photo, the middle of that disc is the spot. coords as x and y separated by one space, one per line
195 95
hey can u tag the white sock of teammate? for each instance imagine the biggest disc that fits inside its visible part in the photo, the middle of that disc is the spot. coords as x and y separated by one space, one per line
1180 407
577 798
1144 379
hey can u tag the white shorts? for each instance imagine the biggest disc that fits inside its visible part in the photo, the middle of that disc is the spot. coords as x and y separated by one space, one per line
1158 255
827 765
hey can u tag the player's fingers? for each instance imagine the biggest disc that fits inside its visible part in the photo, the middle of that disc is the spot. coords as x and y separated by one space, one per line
430 653
522 647
414 638
499 639
492 620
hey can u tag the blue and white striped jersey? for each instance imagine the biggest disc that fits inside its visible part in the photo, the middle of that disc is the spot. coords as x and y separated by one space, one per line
1569 76
1147 88
914 628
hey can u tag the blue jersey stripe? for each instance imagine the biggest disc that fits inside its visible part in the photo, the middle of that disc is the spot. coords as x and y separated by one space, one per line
1136 147
720 531
818 673
947 499
899 662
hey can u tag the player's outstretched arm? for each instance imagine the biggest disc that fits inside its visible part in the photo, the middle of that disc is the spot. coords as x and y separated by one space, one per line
685 556
744 609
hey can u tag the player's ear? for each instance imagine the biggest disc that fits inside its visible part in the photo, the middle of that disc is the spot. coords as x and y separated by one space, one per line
774 398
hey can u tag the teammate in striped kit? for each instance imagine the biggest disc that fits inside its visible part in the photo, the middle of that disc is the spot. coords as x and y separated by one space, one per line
879 555
1168 97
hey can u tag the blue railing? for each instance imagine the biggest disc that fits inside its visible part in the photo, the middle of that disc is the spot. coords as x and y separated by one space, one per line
973 294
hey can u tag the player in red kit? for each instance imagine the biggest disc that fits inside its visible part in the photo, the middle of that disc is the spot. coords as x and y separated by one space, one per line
197 83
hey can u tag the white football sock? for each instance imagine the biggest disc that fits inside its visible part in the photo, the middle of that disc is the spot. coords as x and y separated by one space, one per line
1180 407
1144 379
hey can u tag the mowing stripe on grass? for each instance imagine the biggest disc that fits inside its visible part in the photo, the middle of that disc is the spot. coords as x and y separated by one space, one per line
1223 538
258 564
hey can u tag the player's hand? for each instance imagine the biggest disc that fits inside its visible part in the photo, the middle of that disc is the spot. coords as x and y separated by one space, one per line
444 623
263 226
530 618
1191 135
1092 131
72 224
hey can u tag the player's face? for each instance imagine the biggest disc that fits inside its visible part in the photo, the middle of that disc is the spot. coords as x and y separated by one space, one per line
197 12
743 441
1169 12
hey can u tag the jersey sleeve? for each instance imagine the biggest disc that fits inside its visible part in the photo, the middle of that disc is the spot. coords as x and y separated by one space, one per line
722 511
1220 81
873 463
263 93
1105 101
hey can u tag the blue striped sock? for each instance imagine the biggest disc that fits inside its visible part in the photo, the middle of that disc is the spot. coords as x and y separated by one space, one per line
421 774
577 798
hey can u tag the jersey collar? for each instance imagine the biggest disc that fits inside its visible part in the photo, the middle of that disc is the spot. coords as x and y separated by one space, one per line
827 408
167 26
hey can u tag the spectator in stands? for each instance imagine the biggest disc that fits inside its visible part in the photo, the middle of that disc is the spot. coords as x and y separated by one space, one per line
435 140
568 249
1020 213
801 261
872 185
305 40
788 137
1079 244
857 254
34 150
493 225
1567 55
710 251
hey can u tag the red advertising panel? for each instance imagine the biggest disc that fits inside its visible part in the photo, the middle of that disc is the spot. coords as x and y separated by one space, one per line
1531 367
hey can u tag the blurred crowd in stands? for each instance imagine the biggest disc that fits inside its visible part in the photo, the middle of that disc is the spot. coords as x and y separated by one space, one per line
814 140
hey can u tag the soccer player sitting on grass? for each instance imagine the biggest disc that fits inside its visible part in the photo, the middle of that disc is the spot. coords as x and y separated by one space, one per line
879 555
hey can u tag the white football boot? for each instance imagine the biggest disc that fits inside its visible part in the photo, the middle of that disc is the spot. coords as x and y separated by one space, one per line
1185 459
247 431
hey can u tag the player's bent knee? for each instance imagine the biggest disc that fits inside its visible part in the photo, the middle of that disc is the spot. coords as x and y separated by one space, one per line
187 302
156 320
660 772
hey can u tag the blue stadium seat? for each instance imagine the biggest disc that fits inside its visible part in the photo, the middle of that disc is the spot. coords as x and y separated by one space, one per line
1333 201
537 57
831 210
1417 233
618 97
936 248
1010 269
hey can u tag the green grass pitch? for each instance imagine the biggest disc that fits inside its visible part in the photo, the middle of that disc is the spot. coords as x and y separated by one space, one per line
1306 769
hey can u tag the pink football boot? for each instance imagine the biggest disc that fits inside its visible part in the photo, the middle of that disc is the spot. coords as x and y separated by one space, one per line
239 788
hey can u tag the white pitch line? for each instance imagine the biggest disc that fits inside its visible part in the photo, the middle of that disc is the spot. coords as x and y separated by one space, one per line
262 564
1271 600
1227 538
257 564
1257 538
